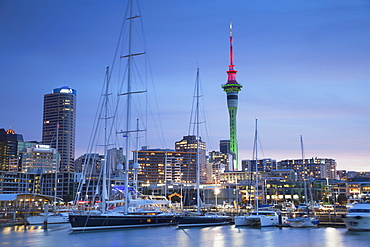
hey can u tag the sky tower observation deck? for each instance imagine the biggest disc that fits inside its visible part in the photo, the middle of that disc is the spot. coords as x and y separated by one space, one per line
232 88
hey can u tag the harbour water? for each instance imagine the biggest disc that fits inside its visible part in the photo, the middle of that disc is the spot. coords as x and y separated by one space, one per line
220 236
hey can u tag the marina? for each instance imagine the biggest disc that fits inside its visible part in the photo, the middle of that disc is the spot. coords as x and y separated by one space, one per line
123 192
218 236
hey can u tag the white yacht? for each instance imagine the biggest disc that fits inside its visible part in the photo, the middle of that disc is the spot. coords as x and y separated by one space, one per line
258 218
51 219
358 217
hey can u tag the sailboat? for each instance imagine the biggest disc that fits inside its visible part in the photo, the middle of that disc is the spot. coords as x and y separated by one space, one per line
131 214
308 218
258 217
210 219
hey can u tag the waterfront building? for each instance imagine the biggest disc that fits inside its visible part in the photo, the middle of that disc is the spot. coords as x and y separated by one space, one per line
286 174
26 144
91 161
232 88
60 108
38 183
40 158
264 165
161 166
290 190
314 168
360 176
233 176
217 164
8 150
334 190
189 144
342 174
351 174
115 157
224 159
66 185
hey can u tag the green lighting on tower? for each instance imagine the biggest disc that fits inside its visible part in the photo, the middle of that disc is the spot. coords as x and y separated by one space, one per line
232 88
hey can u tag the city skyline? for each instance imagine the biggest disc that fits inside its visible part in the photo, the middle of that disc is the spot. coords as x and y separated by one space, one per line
303 67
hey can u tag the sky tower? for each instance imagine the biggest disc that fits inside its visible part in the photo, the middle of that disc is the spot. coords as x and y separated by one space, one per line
232 88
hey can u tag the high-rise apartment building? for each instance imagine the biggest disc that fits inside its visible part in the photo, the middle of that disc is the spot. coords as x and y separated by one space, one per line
314 168
189 144
159 166
8 150
60 108
225 146
264 165
91 161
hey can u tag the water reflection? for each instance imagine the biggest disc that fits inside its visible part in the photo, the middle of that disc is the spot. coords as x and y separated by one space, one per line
196 236
332 238
19 228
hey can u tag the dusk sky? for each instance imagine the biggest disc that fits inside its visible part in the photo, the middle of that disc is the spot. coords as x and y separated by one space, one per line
304 67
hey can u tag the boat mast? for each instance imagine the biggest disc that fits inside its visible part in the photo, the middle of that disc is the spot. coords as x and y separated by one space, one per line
129 99
197 142
56 168
128 109
256 160
305 172
104 184
136 158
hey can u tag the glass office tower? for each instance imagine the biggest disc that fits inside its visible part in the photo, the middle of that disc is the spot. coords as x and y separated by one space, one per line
60 108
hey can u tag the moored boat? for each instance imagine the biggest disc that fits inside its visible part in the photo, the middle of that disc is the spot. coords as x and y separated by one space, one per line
258 218
113 221
50 219
209 219
303 221
107 216
358 217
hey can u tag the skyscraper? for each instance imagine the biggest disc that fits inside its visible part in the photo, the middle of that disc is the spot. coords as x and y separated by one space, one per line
232 88
8 150
60 108
189 144
225 146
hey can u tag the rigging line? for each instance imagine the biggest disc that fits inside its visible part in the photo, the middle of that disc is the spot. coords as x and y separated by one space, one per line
192 115
96 119
92 138
260 145
118 42
204 115
161 135
156 121
155 95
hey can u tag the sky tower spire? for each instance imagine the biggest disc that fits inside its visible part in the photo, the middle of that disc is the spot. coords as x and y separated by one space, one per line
232 88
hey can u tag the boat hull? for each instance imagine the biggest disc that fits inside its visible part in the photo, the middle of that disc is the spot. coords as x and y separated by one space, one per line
100 222
357 223
256 220
193 221
358 217
54 219
303 222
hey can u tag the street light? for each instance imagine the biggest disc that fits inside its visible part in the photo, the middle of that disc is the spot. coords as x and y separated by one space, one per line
217 191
